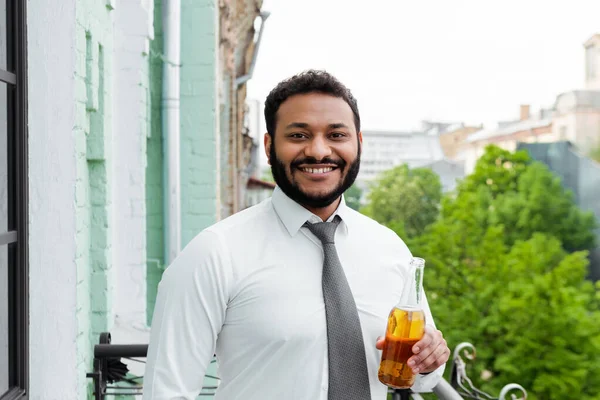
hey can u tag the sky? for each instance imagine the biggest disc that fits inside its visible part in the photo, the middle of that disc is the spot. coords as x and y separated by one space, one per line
472 61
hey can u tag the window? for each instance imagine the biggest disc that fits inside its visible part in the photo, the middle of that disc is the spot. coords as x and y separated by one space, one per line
591 58
13 202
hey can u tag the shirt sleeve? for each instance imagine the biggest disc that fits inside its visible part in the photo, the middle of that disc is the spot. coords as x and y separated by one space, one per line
189 313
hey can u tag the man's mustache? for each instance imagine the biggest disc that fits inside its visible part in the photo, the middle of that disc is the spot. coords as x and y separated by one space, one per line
312 160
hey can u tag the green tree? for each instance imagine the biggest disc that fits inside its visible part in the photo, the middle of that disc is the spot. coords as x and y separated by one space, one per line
511 190
353 196
502 274
595 154
406 200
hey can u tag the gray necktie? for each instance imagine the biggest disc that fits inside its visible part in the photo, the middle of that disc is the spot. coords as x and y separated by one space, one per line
348 374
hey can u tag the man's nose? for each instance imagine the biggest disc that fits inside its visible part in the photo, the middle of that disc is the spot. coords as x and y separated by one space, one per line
318 148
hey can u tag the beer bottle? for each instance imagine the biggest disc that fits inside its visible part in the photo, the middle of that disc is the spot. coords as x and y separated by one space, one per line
406 326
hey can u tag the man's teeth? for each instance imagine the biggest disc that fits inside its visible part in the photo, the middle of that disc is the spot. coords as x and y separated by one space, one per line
317 170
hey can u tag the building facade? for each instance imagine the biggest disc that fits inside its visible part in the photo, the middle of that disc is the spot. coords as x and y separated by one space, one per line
529 128
453 140
574 117
86 179
592 62
383 150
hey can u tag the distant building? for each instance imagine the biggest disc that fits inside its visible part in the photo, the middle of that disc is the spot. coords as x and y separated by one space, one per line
383 150
574 117
528 128
453 140
577 118
577 113
592 62
450 173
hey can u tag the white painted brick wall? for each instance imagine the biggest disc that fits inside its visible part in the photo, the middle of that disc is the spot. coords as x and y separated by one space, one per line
133 30
53 325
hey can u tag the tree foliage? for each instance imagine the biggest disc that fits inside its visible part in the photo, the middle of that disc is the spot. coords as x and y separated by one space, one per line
595 154
352 197
406 200
506 268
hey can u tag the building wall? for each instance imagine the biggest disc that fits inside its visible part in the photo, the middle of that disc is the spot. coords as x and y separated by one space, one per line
384 150
199 117
93 133
133 32
51 32
453 142
565 127
582 128
155 262
96 171
592 63
588 130
474 150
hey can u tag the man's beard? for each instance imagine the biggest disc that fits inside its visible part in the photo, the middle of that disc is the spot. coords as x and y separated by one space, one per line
293 191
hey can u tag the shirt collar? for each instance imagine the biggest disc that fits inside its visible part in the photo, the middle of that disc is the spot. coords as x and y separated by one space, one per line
293 215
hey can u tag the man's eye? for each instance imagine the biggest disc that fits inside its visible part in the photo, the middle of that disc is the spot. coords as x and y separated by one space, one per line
297 135
338 135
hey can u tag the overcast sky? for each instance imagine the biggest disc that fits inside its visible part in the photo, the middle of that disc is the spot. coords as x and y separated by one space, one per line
405 61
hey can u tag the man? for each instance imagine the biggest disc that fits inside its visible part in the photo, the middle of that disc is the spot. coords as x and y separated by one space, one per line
289 311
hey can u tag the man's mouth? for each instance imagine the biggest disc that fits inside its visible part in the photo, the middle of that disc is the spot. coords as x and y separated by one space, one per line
311 170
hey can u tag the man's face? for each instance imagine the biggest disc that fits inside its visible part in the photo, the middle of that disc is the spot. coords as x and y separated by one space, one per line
315 152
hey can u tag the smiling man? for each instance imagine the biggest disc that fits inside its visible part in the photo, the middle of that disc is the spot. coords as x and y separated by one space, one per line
292 295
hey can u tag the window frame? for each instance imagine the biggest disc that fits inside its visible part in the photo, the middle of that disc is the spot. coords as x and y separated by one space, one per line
15 78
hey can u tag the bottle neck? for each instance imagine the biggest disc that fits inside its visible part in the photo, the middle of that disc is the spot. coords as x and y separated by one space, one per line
414 284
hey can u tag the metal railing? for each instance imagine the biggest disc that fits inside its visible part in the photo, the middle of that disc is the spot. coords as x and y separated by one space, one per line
111 376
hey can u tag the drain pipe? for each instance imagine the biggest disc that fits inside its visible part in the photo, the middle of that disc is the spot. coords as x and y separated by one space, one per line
171 19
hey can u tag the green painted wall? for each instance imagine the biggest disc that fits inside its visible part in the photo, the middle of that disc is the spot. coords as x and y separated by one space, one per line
199 133
154 170
199 136
92 131
199 121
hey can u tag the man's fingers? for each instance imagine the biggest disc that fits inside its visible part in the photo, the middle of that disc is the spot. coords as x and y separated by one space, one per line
432 362
425 349
429 353
426 340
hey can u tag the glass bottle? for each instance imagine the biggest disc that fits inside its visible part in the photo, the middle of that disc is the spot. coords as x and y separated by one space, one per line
406 326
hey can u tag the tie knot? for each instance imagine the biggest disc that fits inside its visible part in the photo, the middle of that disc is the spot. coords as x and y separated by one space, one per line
325 231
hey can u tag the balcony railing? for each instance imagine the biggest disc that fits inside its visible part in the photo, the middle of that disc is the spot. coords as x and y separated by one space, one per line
111 376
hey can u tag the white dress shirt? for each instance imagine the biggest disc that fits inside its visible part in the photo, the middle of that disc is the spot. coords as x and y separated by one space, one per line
249 289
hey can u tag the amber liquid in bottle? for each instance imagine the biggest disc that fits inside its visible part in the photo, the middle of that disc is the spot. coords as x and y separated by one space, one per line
406 326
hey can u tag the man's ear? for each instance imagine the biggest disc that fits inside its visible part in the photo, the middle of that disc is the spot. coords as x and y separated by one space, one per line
360 141
268 140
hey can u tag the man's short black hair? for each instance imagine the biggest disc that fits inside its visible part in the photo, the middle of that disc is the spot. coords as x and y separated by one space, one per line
311 81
